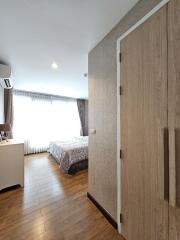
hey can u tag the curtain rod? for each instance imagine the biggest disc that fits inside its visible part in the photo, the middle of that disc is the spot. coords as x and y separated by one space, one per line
46 94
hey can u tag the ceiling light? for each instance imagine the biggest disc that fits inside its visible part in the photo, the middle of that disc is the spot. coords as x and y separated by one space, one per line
54 65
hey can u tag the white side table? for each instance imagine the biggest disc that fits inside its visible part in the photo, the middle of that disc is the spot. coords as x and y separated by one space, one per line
11 163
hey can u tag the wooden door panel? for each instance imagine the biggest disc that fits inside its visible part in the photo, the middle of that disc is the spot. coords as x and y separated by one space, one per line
143 114
174 115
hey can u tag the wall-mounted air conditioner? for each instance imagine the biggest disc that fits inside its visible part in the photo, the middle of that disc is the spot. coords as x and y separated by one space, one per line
5 74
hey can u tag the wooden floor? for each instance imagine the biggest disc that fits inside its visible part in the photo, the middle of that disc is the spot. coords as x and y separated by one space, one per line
51 206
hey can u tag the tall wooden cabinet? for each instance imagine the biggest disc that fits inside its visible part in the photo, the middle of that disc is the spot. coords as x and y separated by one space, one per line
150 128
174 117
143 118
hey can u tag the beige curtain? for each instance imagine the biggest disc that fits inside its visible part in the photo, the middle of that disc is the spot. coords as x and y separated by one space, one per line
8 109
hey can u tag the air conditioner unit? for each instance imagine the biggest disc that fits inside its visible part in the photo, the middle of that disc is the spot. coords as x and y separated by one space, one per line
5 74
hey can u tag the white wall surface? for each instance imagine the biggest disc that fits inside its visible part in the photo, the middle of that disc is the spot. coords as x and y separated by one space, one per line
36 33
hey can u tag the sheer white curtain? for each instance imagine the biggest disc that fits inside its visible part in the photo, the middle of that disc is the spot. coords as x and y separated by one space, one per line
39 119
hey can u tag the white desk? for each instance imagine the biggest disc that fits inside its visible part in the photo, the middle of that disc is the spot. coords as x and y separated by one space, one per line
11 163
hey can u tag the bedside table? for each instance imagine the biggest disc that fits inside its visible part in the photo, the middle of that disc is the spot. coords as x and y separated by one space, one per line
11 163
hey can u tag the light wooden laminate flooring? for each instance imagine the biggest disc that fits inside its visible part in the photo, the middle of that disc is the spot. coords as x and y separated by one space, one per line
51 206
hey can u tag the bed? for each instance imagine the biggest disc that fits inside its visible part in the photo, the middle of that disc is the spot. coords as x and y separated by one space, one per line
71 155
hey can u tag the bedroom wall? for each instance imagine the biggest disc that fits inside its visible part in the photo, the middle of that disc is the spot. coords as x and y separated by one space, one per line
102 111
1 105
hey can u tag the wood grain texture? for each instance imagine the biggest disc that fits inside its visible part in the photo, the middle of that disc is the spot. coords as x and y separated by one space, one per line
103 211
143 113
102 79
174 111
52 206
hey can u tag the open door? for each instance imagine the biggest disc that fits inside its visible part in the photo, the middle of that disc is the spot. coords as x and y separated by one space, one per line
143 130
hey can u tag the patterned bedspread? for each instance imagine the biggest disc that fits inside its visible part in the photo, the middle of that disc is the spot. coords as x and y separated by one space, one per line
69 152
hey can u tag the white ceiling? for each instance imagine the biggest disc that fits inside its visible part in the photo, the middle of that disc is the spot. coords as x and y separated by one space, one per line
34 33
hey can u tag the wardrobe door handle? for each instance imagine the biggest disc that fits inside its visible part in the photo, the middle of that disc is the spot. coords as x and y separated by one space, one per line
172 167
164 164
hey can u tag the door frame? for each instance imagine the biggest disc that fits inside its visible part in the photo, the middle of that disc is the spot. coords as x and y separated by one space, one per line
131 29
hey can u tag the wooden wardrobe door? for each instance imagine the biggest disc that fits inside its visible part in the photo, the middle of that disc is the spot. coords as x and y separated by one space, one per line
143 117
174 116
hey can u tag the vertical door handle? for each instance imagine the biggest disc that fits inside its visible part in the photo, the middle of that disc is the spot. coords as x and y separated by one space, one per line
164 164
172 167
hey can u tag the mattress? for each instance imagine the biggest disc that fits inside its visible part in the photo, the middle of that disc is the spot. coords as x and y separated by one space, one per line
69 152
